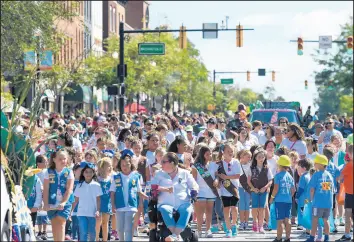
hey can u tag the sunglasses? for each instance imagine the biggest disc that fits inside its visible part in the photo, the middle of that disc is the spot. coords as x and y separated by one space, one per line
329 123
229 167
149 124
283 122
96 133
165 161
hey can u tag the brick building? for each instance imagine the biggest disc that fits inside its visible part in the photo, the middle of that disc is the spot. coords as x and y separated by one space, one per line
137 14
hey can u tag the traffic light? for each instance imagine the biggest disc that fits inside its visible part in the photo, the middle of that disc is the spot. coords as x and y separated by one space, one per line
239 36
300 46
306 84
248 76
350 44
182 38
273 76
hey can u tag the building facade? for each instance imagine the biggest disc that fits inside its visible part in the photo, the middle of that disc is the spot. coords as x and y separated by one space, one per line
137 14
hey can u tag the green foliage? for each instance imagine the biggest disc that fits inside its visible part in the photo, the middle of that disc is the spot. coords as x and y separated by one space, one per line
346 105
20 22
337 68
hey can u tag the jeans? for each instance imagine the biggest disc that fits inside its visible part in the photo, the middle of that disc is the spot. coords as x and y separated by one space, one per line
75 227
87 227
185 211
125 222
218 211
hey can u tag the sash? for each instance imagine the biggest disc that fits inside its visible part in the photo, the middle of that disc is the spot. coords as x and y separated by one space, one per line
229 186
205 174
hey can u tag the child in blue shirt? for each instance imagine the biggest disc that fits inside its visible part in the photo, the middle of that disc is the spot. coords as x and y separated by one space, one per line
105 170
75 223
303 191
321 196
284 189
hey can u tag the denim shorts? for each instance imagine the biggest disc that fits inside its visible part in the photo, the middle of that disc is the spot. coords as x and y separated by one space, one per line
282 210
245 199
259 199
206 199
42 220
65 213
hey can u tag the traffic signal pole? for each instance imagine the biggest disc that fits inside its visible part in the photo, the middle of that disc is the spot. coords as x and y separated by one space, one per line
122 72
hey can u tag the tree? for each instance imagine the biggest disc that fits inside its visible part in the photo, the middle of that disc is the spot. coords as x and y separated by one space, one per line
24 24
269 92
338 72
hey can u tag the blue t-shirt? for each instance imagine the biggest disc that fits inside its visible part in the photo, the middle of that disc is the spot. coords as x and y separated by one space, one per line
285 182
322 182
304 184
335 173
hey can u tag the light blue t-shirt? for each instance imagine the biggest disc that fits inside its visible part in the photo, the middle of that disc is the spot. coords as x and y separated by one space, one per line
335 173
322 182
304 184
285 182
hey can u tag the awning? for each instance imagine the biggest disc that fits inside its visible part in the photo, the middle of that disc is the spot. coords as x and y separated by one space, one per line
50 95
81 94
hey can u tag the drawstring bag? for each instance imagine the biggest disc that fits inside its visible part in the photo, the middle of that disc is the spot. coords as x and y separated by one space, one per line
272 220
331 222
341 195
307 216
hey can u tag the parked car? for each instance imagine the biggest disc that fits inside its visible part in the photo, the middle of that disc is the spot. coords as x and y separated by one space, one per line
6 210
265 115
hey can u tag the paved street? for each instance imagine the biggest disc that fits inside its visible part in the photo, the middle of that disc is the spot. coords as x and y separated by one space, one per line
245 236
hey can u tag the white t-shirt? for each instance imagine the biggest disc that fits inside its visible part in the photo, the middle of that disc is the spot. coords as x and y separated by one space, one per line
328 134
77 144
311 156
299 146
59 195
182 183
258 134
272 164
204 190
235 169
87 194
125 182
170 136
150 158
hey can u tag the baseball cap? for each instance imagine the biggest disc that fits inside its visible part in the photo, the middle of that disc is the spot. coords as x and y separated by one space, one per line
148 121
212 121
72 118
189 128
101 119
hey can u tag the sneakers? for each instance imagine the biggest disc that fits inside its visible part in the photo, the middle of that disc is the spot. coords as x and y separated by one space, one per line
287 240
228 234
39 235
277 240
136 233
209 234
344 238
242 226
265 227
224 227
200 233
245 225
234 230
304 236
214 228
254 227
299 227
44 236
335 230
341 221
114 235
68 238
261 229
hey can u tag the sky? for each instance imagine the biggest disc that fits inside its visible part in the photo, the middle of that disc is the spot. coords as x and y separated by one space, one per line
268 46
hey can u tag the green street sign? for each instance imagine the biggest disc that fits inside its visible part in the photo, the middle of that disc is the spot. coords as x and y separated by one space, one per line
151 48
227 81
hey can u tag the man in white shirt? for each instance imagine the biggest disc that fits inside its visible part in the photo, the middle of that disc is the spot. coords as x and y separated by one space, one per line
211 127
325 136
71 129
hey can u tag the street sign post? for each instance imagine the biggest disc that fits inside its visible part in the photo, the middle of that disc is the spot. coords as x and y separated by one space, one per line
210 30
227 81
325 42
151 48
261 72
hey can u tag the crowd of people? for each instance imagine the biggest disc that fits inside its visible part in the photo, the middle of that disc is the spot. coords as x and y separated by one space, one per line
99 174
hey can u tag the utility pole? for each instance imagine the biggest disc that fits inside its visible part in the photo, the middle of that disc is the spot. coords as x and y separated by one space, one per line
214 91
122 70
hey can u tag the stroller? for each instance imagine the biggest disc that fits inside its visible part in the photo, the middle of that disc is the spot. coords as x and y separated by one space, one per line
161 231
